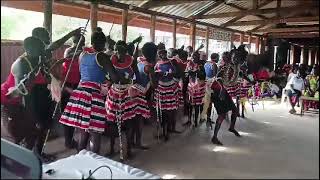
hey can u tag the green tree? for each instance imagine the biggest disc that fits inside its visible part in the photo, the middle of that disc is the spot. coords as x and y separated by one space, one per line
8 25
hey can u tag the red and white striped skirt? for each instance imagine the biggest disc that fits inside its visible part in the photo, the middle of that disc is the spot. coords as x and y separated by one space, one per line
244 89
85 108
142 106
119 104
167 93
180 94
233 90
196 95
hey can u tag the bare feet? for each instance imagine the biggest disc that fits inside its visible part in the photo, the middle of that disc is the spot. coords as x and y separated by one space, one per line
235 132
216 141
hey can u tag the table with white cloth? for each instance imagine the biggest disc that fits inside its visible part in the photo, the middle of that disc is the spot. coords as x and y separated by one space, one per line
78 166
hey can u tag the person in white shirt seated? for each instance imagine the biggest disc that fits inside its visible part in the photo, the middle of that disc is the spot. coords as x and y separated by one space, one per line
293 72
294 90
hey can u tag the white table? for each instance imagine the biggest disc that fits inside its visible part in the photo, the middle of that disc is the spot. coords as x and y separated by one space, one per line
78 166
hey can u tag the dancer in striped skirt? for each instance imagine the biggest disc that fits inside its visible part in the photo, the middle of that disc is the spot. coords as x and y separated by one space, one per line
182 61
120 106
146 80
175 59
180 64
85 109
166 93
196 87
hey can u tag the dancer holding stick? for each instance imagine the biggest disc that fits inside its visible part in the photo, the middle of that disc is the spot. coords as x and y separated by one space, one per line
85 109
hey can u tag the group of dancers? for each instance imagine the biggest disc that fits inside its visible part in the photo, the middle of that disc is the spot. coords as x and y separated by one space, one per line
111 88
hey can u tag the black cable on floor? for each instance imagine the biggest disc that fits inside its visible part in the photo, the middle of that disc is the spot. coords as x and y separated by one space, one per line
90 174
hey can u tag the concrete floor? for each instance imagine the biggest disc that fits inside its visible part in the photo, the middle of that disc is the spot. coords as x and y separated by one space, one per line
274 144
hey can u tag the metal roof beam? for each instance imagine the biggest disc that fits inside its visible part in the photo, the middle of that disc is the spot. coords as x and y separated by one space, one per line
275 21
254 6
262 11
298 29
157 3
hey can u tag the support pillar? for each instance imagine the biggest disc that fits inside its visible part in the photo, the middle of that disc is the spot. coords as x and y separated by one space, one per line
93 16
124 24
288 56
275 57
153 28
241 38
193 35
257 45
47 23
207 42
310 57
304 55
249 42
316 57
174 33
292 52
231 41
263 45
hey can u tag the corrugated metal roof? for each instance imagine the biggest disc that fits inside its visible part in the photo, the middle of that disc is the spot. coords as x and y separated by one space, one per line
205 6
243 28
247 4
267 26
132 2
183 10
216 21
284 3
222 8
250 18
272 4
270 15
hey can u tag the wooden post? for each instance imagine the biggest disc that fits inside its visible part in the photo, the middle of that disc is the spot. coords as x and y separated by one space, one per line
249 39
93 16
231 43
207 42
316 56
310 57
305 55
124 24
302 57
257 45
241 38
288 56
313 56
47 23
275 57
292 58
174 33
249 42
193 35
263 45
153 28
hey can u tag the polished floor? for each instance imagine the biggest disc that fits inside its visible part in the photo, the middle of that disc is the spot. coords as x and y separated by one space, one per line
274 144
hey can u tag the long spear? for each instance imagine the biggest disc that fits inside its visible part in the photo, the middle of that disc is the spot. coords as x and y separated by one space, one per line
63 84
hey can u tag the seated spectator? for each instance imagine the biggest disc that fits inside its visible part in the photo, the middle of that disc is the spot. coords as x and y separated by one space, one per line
292 73
294 89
